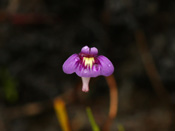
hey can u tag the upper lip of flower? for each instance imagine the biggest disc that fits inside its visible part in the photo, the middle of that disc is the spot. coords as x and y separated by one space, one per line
88 64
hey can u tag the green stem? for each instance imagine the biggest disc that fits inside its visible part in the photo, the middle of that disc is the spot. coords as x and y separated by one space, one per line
91 119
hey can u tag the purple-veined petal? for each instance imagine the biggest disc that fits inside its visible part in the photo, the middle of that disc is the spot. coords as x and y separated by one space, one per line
85 84
107 67
93 51
70 64
88 72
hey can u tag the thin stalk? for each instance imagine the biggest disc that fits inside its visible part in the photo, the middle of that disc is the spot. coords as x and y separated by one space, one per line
113 101
61 114
92 120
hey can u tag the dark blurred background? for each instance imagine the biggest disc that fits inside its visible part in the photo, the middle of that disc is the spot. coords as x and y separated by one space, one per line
37 36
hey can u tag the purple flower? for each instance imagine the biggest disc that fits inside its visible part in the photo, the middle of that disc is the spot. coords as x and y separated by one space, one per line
88 64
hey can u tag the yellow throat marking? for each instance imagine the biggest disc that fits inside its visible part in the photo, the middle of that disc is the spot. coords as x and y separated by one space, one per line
88 61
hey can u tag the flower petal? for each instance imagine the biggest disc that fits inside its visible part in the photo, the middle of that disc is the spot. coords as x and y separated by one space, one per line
93 51
85 50
88 72
89 51
70 64
107 67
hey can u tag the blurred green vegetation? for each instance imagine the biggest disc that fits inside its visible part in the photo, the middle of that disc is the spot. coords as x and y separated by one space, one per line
9 86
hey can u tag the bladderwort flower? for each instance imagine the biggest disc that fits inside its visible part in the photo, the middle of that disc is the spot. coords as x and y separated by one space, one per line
88 64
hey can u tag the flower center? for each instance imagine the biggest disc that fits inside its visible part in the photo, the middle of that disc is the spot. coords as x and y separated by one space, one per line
88 61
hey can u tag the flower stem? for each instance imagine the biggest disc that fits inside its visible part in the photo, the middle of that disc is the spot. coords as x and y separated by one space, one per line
113 101
91 119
